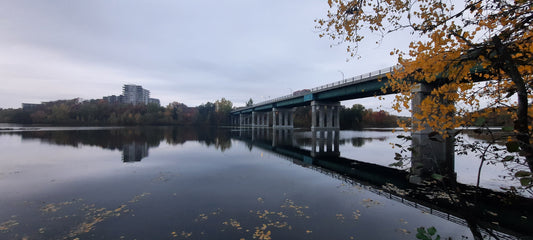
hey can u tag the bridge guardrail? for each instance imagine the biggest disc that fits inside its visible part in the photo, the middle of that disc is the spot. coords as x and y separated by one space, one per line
357 79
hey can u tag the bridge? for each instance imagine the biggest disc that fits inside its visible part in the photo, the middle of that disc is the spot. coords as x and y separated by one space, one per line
325 100
428 157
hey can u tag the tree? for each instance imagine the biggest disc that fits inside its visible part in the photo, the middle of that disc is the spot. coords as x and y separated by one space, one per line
457 46
352 118
223 110
206 114
250 103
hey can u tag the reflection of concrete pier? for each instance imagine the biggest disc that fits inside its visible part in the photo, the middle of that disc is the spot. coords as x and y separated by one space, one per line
283 136
325 142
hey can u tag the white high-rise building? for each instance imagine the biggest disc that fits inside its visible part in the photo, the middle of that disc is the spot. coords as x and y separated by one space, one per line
135 94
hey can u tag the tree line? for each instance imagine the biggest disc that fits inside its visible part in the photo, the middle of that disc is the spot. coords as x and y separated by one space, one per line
100 112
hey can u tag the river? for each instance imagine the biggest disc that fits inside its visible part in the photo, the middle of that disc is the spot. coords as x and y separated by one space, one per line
207 183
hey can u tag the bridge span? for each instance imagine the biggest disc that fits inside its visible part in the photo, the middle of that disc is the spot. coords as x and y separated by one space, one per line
428 157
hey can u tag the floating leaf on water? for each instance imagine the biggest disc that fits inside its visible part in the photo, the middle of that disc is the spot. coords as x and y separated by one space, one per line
8 224
492 213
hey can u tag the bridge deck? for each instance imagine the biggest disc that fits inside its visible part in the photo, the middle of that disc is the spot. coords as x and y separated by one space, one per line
365 85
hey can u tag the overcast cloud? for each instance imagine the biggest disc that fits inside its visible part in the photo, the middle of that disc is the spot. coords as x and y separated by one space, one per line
185 51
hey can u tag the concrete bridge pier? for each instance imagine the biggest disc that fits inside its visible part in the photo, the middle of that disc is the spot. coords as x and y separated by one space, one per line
431 154
244 119
260 119
325 115
282 118
325 128
252 122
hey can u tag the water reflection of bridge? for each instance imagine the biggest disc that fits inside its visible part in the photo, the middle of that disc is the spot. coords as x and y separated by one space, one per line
493 213
324 142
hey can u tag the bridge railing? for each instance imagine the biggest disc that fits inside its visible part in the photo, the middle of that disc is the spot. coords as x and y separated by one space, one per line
357 79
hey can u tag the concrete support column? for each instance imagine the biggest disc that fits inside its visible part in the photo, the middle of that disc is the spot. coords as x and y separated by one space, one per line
433 155
274 115
280 118
253 123
325 115
330 117
291 117
313 114
338 117
320 116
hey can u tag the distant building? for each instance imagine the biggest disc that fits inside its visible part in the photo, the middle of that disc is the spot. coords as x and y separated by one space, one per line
30 106
113 99
154 101
135 94
132 94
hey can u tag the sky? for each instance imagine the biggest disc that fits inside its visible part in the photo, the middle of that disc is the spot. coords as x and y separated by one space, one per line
190 52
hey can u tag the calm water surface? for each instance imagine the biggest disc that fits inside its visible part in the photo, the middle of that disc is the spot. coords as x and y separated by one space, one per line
183 183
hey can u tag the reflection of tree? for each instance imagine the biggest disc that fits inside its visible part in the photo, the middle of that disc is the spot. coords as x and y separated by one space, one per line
121 138
105 138
499 136
359 142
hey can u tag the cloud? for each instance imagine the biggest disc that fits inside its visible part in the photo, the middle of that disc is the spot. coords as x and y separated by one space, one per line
187 51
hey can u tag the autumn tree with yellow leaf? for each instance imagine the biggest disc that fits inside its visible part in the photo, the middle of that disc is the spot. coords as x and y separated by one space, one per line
473 53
